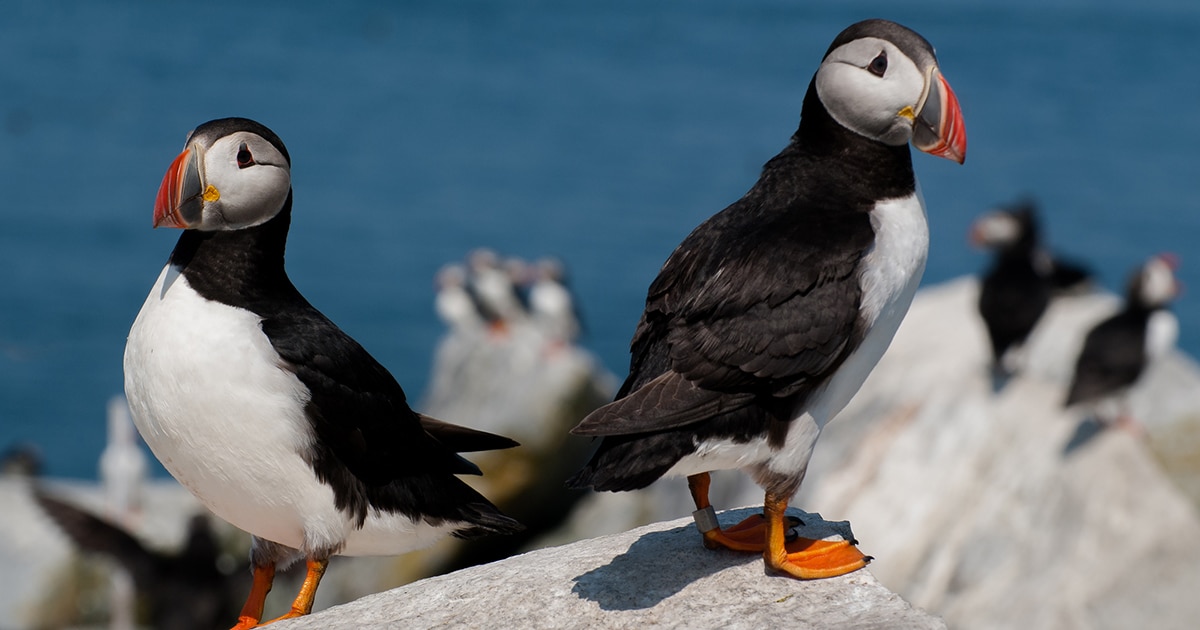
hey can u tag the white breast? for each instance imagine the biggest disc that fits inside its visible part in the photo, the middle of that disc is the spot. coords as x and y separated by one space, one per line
216 406
1162 331
455 307
892 270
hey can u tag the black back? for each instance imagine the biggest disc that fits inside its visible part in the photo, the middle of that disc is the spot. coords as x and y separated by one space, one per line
1014 292
1112 358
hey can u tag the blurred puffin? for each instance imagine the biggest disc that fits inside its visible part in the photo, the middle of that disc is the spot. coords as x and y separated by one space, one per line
767 318
1020 282
1117 351
551 303
454 303
495 290
273 417
185 590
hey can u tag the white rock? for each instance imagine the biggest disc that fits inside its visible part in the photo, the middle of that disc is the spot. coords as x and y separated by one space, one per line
656 576
973 504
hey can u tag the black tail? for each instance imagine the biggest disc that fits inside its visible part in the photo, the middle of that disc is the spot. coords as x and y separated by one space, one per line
462 439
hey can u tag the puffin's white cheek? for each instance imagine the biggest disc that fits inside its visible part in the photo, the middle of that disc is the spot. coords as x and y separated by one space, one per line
862 103
257 201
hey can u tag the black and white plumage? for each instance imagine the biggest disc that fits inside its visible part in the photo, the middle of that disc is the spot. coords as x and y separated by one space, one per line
454 302
1117 351
551 303
495 289
767 318
273 417
1023 277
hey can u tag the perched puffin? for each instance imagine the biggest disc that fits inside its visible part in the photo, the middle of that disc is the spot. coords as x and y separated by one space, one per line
551 302
767 318
1117 350
1022 279
455 304
495 290
273 417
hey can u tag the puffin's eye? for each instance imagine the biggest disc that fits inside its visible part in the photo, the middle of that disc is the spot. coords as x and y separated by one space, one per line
878 65
244 158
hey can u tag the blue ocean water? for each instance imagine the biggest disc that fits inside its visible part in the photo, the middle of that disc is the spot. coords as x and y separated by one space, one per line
597 132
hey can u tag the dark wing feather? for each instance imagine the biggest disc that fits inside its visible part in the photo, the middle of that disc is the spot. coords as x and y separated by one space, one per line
1112 358
374 450
357 407
752 306
462 439
770 308
666 402
1012 298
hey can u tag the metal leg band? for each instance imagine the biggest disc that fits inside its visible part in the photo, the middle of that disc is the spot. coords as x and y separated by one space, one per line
706 519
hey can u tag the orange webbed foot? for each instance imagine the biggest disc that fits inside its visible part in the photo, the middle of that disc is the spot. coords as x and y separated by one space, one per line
806 558
810 559
748 535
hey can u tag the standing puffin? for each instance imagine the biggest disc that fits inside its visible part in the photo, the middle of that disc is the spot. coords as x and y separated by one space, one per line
551 303
1117 350
454 302
1022 279
767 318
273 417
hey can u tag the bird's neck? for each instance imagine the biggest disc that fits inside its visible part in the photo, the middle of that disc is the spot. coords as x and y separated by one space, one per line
241 263
821 139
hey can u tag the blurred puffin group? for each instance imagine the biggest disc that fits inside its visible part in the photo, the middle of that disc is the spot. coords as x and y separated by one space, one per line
490 297
1025 276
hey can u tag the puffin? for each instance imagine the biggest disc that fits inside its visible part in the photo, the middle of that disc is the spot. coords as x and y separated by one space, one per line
495 290
1117 351
1022 279
276 419
767 318
552 304
184 590
454 303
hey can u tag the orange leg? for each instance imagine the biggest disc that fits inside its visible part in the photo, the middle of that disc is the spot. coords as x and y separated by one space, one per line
253 609
805 558
308 591
748 535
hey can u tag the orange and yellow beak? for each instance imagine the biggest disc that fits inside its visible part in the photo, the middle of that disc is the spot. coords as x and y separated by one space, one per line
181 197
938 127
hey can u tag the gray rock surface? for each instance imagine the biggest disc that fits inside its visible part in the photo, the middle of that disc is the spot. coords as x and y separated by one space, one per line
655 576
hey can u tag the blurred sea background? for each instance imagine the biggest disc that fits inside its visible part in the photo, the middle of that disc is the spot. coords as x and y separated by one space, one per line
601 133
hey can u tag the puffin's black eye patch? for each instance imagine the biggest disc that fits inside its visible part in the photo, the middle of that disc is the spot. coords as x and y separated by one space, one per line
878 65
244 158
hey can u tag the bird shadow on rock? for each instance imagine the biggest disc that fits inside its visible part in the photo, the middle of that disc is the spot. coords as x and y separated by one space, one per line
654 568
1085 432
